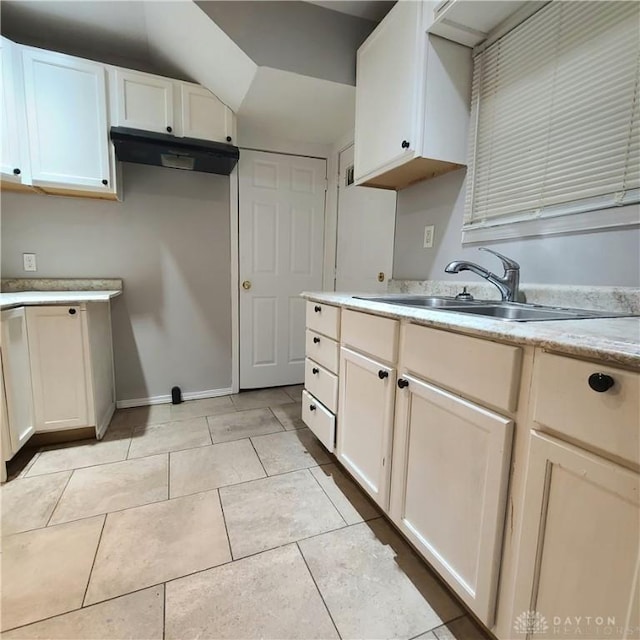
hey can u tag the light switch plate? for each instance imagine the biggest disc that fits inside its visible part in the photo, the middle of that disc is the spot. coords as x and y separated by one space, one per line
429 231
29 261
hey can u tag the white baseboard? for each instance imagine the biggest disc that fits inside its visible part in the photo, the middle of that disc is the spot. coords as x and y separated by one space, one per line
193 395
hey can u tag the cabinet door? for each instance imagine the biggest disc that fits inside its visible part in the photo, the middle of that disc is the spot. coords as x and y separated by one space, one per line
579 554
58 367
204 116
144 101
10 165
365 422
67 120
17 378
450 475
387 90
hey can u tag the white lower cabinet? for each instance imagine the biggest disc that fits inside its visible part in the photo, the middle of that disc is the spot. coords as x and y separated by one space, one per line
365 420
450 476
579 554
319 419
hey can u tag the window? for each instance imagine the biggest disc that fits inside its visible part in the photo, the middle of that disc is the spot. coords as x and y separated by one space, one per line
555 124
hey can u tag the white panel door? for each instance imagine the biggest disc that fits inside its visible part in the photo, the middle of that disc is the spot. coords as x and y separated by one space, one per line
144 101
204 116
67 120
366 227
281 229
449 487
10 164
58 367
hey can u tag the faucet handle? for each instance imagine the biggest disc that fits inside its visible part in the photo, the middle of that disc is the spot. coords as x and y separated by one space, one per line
507 263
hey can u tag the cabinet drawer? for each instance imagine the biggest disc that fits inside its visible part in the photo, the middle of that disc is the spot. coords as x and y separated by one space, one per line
323 350
564 402
324 319
322 384
479 369
371 334
319 419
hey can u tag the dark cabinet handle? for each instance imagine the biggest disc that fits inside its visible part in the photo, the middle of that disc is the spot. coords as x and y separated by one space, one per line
317 309
72 312
316 340
402 383
405 144
16 172
169 129
105 182
228 138
312 407
601 382
383 374
315 371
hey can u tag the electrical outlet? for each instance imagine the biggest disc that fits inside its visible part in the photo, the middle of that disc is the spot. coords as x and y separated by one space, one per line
429 231
29 261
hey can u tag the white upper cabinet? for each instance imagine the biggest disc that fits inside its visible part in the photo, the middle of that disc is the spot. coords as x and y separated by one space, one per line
143 101
204 116
67 120
412 102
13 161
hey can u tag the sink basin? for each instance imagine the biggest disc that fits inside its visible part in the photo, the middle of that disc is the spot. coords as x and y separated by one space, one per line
509 311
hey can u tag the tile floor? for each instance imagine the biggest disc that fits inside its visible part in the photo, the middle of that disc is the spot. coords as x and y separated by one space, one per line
217 518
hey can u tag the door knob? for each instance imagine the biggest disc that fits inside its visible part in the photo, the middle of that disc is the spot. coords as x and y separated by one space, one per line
246 284
381 276
402 383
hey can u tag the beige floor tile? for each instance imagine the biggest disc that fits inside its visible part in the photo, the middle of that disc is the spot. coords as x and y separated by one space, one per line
270 595
147 545
140 416
295 391
201 408
289 451
242 424
215 466
76 455
260 398
460 629
138 616
267 513
426 636
172 436
45 572
111 487
346 496
290 415
27 503
374 585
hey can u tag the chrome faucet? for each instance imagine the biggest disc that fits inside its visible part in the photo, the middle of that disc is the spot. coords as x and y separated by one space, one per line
507 284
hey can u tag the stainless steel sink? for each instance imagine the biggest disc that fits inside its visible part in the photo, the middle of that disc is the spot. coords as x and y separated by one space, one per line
509 311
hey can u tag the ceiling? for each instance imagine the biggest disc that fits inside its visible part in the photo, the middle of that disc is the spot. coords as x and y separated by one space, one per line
373 10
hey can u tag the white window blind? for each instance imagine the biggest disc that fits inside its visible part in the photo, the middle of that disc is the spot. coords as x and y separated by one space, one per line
555 123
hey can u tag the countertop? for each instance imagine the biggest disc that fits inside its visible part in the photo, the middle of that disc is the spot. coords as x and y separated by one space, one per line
611 340
30 298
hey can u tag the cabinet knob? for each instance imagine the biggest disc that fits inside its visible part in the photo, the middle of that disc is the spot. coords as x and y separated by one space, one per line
315 371
316 340
72 312
312 407
601 382
405 144
105 182
228 138
169 129
382 374
16 172
402 383
317 308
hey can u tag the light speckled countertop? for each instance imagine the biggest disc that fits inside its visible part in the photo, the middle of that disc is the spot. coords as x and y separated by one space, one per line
611 340
30 298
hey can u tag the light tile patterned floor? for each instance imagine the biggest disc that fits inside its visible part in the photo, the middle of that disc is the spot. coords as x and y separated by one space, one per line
217 518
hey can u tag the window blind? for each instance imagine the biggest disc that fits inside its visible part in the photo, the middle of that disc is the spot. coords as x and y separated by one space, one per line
555 121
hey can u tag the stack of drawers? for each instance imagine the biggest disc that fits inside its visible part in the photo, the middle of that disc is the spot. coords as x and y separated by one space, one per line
320 396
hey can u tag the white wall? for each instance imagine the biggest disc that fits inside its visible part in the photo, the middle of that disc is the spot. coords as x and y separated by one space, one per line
169 241
593 258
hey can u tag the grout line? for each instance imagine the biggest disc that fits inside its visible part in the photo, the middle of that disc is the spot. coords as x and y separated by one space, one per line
440 626
66 484
95 556
168 475
164 610
226 529
329 497
266 475
318 589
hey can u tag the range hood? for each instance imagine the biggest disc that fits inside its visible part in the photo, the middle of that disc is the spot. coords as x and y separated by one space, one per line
162 150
